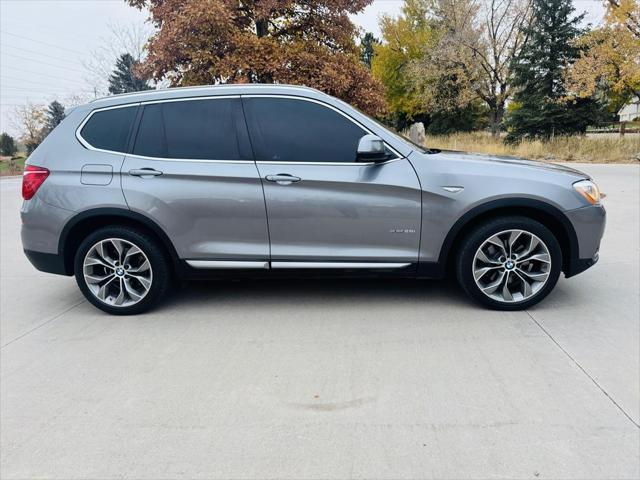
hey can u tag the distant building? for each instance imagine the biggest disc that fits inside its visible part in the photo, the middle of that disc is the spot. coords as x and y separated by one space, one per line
630 111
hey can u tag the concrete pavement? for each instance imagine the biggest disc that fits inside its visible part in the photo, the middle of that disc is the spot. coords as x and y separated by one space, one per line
326 379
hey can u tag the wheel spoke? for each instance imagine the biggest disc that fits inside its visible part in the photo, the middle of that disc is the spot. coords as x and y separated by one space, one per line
117 244
538 257
97 261
536 276
104 289
93 279
513 236
533 243
100 250
480 272
496 241
493 286
506 293
131 291
526 286
483 257
144 266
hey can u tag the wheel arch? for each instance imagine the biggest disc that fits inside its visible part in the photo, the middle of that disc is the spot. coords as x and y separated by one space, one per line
545 213
78 227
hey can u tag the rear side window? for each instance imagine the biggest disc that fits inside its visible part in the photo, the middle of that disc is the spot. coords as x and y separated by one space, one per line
290 130
211 129
109 129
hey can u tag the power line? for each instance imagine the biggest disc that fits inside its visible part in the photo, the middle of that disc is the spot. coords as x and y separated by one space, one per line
47 75
43 43
60 59
22 80
45 63
33 90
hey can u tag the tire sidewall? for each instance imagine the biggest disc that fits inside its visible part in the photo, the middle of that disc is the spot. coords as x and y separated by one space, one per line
155 255
464 268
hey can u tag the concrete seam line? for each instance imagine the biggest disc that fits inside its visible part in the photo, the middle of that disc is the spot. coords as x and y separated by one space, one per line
583 370
43 323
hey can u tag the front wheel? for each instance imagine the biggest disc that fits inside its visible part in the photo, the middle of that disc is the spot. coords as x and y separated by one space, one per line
121 270
509 263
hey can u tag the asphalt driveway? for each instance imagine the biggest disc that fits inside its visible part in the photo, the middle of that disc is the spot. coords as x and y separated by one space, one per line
326 379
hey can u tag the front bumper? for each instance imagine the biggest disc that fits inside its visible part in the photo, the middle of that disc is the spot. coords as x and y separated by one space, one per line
588 223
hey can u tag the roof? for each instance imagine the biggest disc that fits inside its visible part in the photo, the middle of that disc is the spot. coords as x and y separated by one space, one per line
202 91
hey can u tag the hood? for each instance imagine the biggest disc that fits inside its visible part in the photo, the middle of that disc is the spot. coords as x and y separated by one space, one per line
512 161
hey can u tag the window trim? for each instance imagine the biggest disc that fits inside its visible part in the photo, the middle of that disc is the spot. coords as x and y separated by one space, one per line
88 146
136 125
335 109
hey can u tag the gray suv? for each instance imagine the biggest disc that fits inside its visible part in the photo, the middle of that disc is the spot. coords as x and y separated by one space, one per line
131 191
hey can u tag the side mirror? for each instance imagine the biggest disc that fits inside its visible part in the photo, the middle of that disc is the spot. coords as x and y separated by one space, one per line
371 149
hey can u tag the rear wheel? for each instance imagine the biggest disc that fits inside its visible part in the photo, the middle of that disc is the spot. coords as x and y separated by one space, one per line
121 270
509 263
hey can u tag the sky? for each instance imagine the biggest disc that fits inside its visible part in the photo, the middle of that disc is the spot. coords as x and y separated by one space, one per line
46 46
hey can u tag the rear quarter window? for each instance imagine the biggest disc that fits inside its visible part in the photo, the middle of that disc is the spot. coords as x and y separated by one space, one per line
110 129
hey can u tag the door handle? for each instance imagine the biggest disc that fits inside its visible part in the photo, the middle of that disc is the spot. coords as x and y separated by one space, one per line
144 172
282 179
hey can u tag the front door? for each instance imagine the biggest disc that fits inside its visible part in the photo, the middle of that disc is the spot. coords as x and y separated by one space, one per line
324 209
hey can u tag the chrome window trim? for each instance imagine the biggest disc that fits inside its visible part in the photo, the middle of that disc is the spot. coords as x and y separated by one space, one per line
88 146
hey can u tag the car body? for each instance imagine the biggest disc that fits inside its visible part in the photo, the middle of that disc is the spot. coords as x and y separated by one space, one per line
271 180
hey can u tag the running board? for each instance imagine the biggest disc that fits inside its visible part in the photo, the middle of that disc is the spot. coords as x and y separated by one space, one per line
239 264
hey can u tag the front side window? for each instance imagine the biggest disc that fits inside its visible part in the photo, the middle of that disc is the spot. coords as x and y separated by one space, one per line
210 129
109 129
290 130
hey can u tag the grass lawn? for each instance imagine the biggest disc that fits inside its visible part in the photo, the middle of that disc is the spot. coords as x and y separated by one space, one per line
7 169
596 148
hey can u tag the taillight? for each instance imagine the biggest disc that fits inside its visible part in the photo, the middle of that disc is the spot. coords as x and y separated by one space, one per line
32 178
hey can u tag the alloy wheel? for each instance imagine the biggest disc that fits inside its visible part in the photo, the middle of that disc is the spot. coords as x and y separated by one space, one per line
511 266
117 272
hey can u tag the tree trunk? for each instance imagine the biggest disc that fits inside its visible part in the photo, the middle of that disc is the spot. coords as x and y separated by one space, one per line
262 30
497 114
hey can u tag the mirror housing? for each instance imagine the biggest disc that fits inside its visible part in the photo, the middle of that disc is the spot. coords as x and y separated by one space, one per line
371 149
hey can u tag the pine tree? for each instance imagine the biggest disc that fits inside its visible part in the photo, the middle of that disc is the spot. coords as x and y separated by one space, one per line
124 78
540 108
367 44
8 145
53 116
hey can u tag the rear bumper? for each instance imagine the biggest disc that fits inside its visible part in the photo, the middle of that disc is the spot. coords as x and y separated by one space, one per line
47 262
588 224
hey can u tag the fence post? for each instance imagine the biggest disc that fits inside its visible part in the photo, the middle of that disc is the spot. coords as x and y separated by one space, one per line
623 127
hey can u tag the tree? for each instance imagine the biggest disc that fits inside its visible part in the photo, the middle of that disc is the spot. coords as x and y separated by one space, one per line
309 42
367 44
53 116
477 42
29 119
406 38
8 145
121 38
541 107
126 78
610 58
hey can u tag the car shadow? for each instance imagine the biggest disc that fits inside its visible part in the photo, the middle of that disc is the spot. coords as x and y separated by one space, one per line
369 291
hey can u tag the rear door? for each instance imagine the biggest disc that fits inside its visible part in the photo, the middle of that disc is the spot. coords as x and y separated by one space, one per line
325 210
191 171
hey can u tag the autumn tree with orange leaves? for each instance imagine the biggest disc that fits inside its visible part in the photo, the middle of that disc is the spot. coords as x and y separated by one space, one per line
261 41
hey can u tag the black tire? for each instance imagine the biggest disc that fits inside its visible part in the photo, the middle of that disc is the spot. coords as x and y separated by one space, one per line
161 273
475 238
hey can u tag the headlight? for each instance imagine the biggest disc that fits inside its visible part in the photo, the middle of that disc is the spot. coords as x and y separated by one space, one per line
588 190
